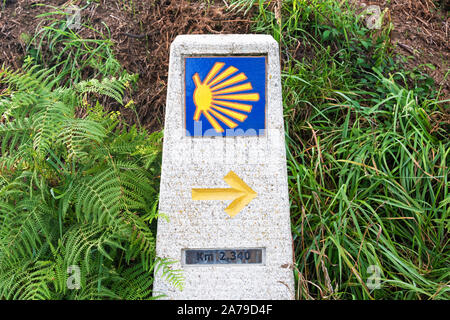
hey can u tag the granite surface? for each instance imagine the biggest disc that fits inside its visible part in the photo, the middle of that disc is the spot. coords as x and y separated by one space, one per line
202 162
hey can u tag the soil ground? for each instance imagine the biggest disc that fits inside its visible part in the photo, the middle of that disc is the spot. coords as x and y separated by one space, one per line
143 30
421 33
141 33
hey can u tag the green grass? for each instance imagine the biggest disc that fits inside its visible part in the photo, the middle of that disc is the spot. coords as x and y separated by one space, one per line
367 159
370 189
73 56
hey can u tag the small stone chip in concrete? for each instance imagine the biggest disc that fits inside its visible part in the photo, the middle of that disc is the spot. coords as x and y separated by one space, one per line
224 178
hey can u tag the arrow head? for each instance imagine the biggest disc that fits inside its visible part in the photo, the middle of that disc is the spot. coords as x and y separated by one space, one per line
239 203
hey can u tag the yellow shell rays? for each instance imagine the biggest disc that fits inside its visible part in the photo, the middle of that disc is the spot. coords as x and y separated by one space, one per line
216 96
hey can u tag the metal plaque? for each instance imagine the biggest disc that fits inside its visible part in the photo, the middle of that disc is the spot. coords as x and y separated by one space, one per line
223 256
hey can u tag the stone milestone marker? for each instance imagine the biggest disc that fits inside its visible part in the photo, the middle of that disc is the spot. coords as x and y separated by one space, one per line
224 178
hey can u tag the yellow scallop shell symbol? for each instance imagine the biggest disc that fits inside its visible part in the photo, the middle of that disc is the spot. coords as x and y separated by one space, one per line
216 96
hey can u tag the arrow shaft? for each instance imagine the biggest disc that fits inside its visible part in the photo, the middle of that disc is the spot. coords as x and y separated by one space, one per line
216 194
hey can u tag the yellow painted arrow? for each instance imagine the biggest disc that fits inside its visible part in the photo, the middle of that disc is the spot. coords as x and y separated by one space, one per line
240 193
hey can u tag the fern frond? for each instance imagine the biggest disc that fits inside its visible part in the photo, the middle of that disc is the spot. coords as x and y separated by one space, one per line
79 134
163 266
27 281
24 228
134 283
97 197
13 188
141 241
74 191
82 241
112 87
23 80
48 122
15 134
